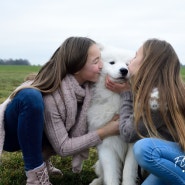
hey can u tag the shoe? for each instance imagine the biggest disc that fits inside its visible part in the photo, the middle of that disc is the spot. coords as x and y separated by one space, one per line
52 170
38 176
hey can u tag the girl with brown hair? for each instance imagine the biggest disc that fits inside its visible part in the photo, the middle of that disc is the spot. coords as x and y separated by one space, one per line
47 116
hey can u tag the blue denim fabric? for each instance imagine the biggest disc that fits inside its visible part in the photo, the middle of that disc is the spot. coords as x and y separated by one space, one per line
24 122
164 160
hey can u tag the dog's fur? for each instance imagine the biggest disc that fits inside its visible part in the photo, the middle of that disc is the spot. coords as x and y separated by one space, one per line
116 164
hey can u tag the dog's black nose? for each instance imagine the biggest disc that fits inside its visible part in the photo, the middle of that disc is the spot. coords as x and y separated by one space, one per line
124 71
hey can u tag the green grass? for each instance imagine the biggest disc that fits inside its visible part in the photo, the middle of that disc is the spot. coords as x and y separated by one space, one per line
11 76
183 73
11 166
12 170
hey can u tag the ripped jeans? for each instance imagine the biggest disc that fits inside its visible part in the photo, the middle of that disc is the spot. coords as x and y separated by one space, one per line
164 160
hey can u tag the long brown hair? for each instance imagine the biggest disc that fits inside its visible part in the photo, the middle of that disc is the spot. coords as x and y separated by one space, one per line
160 68
69 58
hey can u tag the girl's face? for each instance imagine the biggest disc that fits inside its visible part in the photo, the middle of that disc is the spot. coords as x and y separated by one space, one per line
136 62
91 70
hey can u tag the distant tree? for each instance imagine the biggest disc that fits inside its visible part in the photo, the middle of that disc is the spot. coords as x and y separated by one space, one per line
1 62
14 62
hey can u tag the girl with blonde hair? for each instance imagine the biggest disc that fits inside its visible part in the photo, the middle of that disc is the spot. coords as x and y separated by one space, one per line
154 109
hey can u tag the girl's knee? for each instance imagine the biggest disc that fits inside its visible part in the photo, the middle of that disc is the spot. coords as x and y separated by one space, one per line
142 150
142 146
32 98
137 148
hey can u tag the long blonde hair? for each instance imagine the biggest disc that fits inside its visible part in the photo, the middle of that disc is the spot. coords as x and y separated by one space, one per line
160 68
69 58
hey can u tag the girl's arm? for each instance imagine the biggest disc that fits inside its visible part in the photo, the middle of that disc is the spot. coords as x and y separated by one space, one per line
127 130
58 136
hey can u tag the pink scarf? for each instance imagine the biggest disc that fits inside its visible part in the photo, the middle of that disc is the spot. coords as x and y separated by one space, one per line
76 120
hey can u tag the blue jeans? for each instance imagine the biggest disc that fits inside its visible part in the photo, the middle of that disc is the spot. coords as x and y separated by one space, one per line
164 160
24 122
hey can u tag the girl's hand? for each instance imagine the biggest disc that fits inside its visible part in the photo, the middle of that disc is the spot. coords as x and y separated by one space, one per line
116 87
110 129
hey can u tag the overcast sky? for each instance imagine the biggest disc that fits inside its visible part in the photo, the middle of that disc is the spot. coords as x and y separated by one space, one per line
33 29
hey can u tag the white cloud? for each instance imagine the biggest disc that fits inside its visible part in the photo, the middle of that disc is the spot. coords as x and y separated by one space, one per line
33 29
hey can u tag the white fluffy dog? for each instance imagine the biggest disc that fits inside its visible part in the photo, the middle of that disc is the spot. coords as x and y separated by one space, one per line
116 164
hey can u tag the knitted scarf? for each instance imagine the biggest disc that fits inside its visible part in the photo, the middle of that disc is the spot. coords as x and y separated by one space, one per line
72 95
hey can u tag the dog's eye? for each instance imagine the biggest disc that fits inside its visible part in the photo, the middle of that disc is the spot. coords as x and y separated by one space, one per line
112 62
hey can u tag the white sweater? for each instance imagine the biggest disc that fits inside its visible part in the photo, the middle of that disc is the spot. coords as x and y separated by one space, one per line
2 131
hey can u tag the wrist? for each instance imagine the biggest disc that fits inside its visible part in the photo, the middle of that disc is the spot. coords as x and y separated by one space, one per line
101 133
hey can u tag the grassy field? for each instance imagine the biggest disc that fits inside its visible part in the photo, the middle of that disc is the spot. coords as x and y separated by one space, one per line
11 167
183 72
12 76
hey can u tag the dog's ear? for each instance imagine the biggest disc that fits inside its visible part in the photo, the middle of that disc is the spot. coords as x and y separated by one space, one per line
101 46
